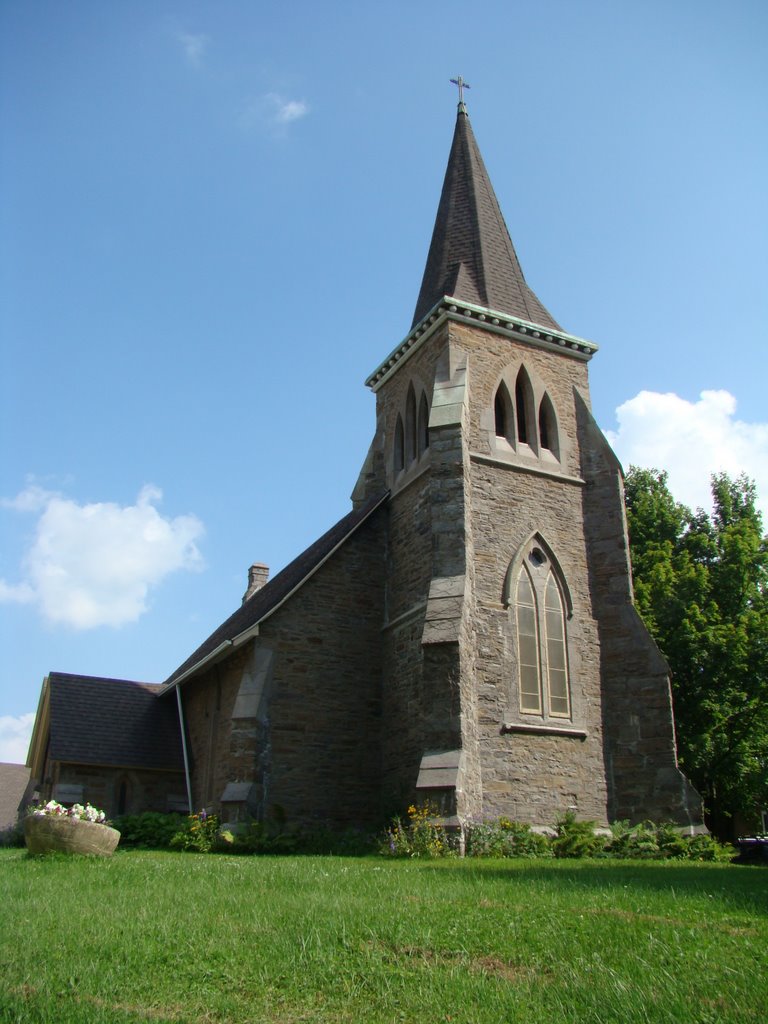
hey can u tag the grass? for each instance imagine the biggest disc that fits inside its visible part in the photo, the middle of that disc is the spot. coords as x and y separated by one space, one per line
187 938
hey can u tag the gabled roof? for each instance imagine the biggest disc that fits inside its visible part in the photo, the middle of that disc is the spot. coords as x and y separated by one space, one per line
118 722
265 601
14 792
471 256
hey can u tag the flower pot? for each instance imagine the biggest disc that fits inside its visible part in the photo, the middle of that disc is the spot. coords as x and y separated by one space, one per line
46 833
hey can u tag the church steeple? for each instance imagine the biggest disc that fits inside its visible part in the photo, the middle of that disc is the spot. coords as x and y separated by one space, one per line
471 256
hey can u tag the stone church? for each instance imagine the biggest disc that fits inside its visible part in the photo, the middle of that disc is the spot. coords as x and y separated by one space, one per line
466 634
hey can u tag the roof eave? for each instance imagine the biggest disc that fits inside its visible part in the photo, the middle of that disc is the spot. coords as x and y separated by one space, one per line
40 732
450 308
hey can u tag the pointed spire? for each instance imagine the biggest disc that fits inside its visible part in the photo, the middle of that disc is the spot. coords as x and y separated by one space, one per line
471 256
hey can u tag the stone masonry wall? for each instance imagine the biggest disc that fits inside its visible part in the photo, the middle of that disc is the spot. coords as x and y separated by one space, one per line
493 358
640 752
531 776
145 790
208 702
410 541
308 747
325 710
534 778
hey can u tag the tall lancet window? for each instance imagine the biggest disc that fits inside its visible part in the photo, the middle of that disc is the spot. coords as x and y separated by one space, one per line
528 644
540 610
557 661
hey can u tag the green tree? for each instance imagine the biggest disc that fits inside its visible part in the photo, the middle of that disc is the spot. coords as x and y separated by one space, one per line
701 585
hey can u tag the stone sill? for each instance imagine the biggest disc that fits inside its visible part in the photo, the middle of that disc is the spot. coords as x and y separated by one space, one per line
549 730
536 470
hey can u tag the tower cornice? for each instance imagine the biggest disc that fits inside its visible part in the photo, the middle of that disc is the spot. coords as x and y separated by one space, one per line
456 311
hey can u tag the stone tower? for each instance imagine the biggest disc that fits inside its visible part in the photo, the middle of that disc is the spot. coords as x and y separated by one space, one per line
517 677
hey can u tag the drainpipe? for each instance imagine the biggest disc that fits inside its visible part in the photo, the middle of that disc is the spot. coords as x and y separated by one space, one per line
184 749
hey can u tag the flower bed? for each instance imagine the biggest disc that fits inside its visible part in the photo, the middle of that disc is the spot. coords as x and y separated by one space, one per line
77 829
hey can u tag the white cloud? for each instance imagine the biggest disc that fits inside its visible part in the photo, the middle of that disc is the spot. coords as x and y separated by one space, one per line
194 47
285 110
15 734
94 565
691 441
31 499
274 109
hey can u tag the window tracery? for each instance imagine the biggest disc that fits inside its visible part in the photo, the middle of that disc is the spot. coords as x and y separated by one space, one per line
541 613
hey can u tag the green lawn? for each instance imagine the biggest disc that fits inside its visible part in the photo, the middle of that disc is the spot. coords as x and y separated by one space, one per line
174 937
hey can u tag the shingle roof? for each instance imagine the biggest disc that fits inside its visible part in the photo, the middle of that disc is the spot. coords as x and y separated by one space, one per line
272 594
113 722
14 783
471 256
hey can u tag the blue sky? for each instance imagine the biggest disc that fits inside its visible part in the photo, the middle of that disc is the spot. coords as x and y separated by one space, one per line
214 219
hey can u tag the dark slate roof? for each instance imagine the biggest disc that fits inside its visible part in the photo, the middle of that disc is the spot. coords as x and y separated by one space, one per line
14 786
273 593
471 256
113 722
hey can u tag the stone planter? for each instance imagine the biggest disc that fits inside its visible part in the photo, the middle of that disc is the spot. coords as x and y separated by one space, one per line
45 833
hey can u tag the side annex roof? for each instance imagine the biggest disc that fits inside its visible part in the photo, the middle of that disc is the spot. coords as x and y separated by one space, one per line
114 722
236 629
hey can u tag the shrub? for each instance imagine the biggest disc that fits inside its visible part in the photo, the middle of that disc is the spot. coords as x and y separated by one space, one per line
576 838
422 836
150 830
505 838
672 843
640 842
349 842
706 847
663 841
198 834
263 837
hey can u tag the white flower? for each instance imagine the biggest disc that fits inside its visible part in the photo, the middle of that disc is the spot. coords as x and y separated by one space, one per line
76 811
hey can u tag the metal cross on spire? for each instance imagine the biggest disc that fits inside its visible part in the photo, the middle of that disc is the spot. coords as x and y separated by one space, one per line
462 86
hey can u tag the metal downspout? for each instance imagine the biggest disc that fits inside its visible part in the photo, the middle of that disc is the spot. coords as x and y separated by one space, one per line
184 748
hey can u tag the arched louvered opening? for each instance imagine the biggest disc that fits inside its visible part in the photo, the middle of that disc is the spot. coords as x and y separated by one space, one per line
423 428
399 459
410 427
524 408
548 433
502 413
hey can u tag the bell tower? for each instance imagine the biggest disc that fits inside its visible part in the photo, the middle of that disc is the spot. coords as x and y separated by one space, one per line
517 678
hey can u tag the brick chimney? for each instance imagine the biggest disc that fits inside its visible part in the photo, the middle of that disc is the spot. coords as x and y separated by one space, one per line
258 574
